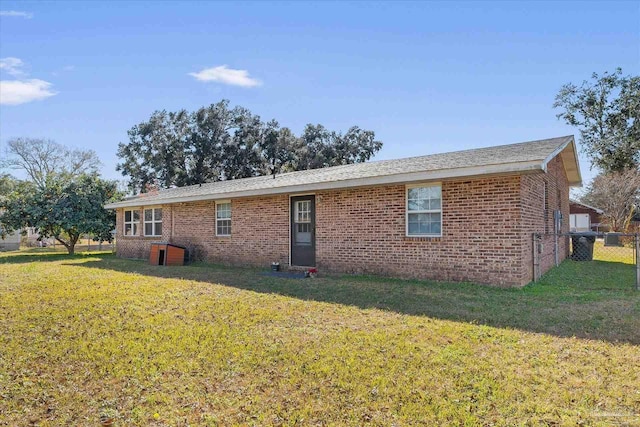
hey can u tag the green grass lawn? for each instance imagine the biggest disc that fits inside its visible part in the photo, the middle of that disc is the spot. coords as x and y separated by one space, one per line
624 254
93 334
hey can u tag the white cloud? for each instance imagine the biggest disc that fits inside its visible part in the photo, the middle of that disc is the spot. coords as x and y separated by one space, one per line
226 75
16 13
14 92
12 66
21 90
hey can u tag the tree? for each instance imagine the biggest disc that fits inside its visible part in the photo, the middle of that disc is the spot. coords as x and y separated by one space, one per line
320 148
63 209
7 184
277 147
43 159
218 142
241 155
618 195
607 113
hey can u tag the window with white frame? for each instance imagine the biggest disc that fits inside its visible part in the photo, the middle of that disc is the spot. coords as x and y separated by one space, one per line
131 222
302 222
153 222
223 218
424 210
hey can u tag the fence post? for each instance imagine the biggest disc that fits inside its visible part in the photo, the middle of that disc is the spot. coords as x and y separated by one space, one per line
637 244
536 256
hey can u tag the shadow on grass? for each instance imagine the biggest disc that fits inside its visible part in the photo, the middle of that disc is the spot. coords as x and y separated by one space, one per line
585 300
44 255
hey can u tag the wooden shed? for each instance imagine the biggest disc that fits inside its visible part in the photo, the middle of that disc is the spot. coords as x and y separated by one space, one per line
163 253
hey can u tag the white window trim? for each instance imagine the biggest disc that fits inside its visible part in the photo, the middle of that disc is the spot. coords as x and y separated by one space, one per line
297 212
223 202
131 223
153 222
406 209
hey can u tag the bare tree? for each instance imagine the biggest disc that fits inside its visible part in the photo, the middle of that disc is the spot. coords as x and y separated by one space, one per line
43 158
618 195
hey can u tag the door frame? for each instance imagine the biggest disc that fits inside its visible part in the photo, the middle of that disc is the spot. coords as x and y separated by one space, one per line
291 230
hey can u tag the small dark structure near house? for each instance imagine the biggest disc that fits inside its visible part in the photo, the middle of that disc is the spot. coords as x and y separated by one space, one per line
582 245
612 239
163 253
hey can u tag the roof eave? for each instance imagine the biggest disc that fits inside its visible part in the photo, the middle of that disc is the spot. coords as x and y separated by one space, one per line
517 167
597 210
569 154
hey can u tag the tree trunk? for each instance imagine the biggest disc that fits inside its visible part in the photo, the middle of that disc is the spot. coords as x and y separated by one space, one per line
71 245
65 244
73 239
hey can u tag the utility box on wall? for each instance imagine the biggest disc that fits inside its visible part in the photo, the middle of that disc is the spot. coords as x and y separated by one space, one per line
167 254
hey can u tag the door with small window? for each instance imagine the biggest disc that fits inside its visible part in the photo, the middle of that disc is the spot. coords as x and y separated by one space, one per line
303 231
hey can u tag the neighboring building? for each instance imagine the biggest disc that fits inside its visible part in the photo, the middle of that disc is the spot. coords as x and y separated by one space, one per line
33 239
462 216
11 242
583 217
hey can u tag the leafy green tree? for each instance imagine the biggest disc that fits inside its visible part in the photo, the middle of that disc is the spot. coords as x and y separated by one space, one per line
277 149
241 155
607 113
63 209
157 152
319 147
7 184
218 142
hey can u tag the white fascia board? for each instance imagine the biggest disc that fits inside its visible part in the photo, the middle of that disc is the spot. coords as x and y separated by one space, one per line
578 182
575 202
573 183
551 156
401 178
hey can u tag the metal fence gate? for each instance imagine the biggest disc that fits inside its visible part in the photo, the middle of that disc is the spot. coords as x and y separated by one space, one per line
605 257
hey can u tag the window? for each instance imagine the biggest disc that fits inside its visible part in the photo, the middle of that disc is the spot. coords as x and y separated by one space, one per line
223 218
424 210
153 222
302 222
131 222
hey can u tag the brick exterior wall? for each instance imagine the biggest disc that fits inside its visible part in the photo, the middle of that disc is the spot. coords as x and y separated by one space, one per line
363 231
487 227
537 216
259 232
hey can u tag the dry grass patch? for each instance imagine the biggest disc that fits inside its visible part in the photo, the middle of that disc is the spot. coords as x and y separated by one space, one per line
205 345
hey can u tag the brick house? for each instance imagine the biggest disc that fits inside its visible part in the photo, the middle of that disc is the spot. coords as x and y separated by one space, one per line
461 216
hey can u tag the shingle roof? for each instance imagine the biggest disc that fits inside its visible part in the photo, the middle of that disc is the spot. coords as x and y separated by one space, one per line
521 157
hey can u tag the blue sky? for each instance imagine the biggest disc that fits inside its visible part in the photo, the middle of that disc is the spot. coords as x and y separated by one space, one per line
426 77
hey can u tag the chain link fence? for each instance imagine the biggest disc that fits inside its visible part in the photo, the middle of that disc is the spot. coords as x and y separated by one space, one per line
590 251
